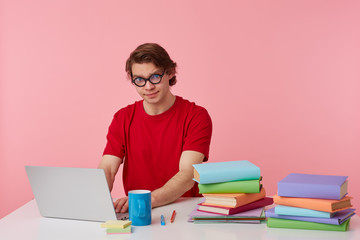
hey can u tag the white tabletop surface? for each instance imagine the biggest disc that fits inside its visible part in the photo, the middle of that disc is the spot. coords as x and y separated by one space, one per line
27 223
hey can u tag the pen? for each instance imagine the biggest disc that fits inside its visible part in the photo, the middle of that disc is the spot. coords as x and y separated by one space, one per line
173 217
162 220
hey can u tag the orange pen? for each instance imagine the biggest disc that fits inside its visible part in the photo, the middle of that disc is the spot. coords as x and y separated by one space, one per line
173 217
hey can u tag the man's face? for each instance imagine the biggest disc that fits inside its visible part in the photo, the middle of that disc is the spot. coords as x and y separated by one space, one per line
152 93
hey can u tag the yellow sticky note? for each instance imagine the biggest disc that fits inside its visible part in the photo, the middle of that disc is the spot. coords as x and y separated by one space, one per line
116 224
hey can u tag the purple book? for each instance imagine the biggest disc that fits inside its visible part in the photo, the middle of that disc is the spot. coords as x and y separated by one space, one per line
254 213
313 186
337 219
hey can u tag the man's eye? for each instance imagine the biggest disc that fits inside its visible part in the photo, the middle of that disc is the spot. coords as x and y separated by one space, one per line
138 79
155 76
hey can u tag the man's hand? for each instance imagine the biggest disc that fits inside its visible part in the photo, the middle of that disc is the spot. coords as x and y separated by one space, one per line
180 182
121 205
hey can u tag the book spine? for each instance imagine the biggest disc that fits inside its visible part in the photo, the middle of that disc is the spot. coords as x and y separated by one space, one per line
303 190
304 212
249 198
212 173
240 200
293 224
247 186
303 203
257 204
272 214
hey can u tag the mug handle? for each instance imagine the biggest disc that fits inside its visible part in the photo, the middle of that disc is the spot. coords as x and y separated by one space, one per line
142 208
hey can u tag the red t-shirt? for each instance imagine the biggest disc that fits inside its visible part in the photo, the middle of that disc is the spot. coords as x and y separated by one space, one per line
151 146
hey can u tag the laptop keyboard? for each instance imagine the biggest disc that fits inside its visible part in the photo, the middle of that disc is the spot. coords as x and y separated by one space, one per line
122 216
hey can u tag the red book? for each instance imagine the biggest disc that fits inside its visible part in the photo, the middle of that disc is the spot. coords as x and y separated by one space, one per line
229 211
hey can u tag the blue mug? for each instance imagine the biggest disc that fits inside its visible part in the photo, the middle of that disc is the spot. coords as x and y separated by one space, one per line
140 207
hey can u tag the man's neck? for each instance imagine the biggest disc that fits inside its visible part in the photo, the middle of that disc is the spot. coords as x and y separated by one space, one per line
161 107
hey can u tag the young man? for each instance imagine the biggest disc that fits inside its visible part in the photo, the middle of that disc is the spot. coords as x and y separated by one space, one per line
159 138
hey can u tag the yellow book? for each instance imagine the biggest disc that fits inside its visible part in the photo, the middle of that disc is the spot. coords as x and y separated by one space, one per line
116 224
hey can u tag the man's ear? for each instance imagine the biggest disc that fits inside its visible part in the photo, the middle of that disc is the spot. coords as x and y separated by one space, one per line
171 73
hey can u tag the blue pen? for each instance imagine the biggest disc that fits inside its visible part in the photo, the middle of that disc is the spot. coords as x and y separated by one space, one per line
162 220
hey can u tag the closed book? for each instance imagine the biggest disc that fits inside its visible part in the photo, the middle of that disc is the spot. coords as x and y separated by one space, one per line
230 211
254 214
337 219
226 221
294 224
313 186
304 212
225 171
243 186
326 205
233 199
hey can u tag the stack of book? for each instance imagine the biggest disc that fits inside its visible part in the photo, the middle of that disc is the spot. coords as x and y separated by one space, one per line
308 201
114 227
232 192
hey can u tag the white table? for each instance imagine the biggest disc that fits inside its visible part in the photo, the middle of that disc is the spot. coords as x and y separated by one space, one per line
27 223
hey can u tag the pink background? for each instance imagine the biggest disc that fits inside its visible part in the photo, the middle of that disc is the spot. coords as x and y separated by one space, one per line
280 79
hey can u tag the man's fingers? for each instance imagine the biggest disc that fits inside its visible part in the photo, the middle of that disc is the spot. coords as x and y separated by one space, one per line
121 205
125 207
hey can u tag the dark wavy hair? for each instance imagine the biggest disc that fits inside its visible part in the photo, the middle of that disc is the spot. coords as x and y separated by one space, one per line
152 53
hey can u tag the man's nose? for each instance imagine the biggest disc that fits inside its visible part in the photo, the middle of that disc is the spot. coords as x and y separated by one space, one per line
149 85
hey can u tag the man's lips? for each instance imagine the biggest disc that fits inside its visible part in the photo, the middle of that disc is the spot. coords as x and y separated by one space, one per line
151 94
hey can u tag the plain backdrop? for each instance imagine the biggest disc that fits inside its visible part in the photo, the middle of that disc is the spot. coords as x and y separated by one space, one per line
280 79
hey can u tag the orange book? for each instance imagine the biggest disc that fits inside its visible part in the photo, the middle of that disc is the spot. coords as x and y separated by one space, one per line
232 200
325 205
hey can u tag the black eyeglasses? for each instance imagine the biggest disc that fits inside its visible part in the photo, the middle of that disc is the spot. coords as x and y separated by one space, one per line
154 79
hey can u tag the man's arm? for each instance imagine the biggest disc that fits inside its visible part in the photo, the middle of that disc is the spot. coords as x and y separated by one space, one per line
180 183
111 165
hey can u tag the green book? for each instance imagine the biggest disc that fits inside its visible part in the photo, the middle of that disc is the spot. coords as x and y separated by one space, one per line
286 223
246 186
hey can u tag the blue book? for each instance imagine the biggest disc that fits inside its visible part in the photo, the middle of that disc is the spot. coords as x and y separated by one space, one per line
303 212
216 172
339 217
313 186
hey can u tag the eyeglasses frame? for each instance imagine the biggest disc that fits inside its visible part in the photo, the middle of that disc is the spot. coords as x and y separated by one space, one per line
148 79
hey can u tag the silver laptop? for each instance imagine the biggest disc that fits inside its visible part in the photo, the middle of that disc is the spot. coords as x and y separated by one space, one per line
72 193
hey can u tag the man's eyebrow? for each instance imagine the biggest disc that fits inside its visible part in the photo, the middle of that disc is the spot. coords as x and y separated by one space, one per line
157 71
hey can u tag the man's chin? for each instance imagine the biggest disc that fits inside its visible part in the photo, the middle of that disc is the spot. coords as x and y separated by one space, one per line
151 100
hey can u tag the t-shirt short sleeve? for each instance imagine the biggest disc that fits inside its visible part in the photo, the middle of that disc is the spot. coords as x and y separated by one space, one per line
116 136
199 130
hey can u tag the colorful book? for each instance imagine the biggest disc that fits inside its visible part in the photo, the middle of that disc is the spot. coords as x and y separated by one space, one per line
325 205
252 215
116 224
225 171
233 200
313 186
304 212
226 221
294 224
243 186
230 211
338 218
